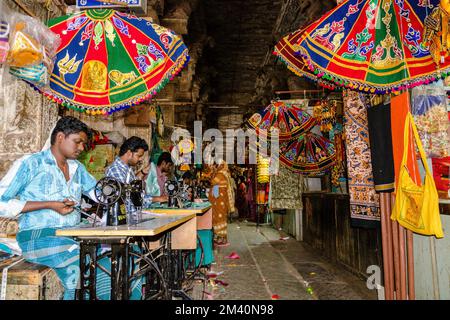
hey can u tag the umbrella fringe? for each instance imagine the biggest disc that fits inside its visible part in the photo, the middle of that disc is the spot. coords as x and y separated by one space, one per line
181 62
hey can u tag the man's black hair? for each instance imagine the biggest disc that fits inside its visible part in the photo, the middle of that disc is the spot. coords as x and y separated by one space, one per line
165 156
133 144
187 175
69 125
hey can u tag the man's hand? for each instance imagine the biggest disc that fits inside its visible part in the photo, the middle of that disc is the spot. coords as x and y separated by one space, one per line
160 199
141 174
63 207
146 170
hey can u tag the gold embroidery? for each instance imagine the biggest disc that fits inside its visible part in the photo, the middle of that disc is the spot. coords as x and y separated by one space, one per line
94 76
121 78
110 32
68 66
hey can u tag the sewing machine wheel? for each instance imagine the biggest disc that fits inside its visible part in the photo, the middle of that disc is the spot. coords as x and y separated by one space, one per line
171 187
108 191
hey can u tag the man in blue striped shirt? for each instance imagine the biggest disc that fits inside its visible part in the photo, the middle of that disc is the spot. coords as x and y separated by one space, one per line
42 190
131 155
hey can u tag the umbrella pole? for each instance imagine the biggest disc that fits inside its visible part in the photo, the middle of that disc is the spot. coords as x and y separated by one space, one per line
402 253
396 255
385 243
390 252
411 286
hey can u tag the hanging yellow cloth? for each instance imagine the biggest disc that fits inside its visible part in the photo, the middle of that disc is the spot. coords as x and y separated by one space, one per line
417 206
436 32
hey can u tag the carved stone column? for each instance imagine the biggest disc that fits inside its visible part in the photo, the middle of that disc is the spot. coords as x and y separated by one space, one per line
27 117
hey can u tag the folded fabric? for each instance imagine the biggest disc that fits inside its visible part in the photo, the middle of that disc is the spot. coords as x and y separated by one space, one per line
10 246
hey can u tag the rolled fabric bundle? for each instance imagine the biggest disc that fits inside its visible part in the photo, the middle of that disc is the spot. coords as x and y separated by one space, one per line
8 226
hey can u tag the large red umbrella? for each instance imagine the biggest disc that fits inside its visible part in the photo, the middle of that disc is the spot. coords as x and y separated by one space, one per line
108 60
372 46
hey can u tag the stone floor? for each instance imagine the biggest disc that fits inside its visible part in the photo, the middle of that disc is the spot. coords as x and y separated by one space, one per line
271 268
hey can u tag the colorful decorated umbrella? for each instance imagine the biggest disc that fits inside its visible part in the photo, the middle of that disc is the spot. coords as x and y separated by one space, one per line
109 61
290 119
373 46
294 62
308 154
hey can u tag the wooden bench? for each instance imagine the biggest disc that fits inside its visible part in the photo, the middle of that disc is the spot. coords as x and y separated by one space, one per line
25 280
28 281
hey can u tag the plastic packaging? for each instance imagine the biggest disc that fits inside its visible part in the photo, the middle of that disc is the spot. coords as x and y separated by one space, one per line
32 50
37 75
25 49
429 108
4 31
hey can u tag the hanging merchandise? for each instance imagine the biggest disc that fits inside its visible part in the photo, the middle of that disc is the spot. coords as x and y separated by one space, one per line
417 206
32 50
400 108
152 114
109 60
4 31
325 113
31 43
284 50
429 108
291 119
436 33
373 46
286 190
364 201
263 164
441 174
159 121
338 171
156 150
37 75
309 154
381 150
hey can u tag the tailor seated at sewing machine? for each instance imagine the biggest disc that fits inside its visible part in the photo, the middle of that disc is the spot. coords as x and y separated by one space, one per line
184 192
131 155
42 190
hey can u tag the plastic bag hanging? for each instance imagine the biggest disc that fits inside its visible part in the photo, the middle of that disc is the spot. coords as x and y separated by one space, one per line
429 108
5 27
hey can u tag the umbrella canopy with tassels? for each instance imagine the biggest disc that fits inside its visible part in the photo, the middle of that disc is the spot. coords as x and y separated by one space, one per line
290 119
109 60
374 46
309 154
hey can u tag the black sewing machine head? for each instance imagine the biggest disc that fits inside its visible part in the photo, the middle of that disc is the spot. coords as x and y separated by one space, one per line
112 194
172 190
136 191
200 192
108 193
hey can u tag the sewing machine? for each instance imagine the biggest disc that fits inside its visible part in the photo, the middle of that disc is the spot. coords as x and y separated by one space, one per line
112 196
179 194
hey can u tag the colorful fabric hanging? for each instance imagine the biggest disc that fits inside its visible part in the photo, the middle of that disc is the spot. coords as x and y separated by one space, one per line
364 201
338 171
291 119
109 60
429 108
309 154
373 46
325 113
436 33
400 107
286 190
382 153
